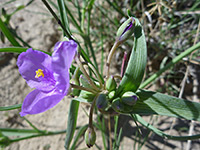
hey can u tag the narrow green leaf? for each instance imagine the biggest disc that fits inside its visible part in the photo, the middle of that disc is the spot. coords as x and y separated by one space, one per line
17 132
18 50
13 49
80 132
119 139
6 108
170 64
136 66
63 15
162 134
71 125
156 103
8 34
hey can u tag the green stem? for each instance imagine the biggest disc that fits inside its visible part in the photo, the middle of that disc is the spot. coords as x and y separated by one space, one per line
82 88
97 74
85 73
38 135
112 51
57 19
74 20
91 112
34 127
6 108
170 64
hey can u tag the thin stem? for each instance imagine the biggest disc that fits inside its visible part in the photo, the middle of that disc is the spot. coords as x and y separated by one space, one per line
109 131
82 88
57 19
85 73
112 51
34 127
38 135
170 64
91 111
97 74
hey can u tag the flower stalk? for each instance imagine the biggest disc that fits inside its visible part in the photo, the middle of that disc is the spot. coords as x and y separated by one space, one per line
85 73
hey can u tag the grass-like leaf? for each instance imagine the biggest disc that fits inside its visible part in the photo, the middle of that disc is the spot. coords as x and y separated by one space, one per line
6 108
136 66
161 104
162 134
8 34
71 125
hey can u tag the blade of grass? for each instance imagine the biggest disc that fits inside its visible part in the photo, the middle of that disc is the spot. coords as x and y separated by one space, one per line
18 50
170 64
8 34
160 133
71 125
63 15
80 132
116 118
6 108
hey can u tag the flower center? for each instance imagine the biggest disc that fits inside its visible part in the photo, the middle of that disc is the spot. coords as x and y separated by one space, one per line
39 73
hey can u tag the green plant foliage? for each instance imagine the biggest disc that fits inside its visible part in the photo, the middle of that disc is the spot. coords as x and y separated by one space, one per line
136 66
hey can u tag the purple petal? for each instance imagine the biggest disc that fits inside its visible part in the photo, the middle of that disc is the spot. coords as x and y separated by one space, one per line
62 57
38 101
29 62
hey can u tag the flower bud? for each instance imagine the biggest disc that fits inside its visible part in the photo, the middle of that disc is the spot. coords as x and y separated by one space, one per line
84 82
120 107
129 98
4 140
125 30
87 95
102 102
90 137
111 84
117 105
111 95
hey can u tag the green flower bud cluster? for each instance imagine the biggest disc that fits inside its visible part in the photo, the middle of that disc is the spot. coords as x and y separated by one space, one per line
125 103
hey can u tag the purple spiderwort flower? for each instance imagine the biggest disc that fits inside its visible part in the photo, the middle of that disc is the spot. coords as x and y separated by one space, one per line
49 75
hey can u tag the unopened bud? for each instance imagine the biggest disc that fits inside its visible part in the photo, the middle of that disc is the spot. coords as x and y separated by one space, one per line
90 137
102 102
87 95
117 105
129 98
4 140
111 95
125 30
84 82
111 84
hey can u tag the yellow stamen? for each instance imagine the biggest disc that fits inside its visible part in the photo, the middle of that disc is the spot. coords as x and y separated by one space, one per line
39 73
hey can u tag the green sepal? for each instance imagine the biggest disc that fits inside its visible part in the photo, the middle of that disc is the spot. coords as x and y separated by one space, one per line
111 95
102 102
129 98
87 95
120 107
125 30
84 82
4 140
136 66
90 137
111 84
